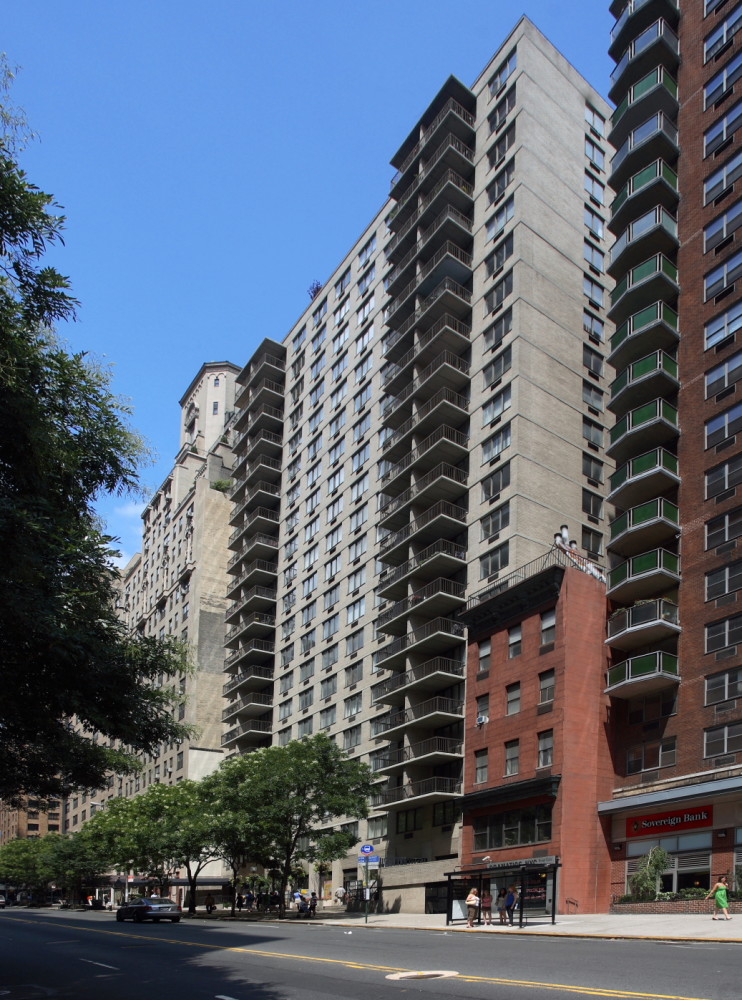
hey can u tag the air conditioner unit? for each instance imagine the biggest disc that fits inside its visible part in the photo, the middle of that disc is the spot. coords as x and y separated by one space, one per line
481 719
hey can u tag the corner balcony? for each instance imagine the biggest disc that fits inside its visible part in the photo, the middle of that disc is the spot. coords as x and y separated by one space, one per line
657 91
429 714
655 184
443 482
646 575
445 444
656 138
252 705
648 475
266 366
656 230
442 558
445 407
447 371
260 519
263 468
446 334
256 624
655 278
262 441
653 328
252 733
442 520
424 680
645 624
655 45
634 17
252 678
650 377
257 546
259 495
650 524
441 597
642 675
437 750
432 637
264 392
260 572
655 422
256 599
417 793
260 417
256 651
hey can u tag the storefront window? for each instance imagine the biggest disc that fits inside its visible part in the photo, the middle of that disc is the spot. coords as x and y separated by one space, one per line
517 826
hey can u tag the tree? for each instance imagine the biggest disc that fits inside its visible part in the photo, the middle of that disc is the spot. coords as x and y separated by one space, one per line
276 805
72 862
20 865
644 879
72 677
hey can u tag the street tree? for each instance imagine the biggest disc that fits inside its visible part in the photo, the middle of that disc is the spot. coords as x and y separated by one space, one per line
20 866
278 804
80 695
72 862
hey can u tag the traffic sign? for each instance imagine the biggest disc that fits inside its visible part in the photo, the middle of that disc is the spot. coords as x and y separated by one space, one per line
367 849
372 859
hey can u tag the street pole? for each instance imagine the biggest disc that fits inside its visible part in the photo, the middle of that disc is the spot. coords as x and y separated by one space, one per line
366 889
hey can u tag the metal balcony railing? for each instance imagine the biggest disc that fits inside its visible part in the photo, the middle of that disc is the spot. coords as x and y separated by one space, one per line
451 105
441 434
388 507
389 576
441 509
659 610
417 789
438 665
438 625
435 745
258 671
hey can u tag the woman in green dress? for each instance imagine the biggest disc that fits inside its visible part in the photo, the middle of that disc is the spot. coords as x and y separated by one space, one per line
721 902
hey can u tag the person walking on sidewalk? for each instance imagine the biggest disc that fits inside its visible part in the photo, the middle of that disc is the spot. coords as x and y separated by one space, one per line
721 902
472 907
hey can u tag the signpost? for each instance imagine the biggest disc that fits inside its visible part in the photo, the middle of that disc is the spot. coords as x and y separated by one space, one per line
367 856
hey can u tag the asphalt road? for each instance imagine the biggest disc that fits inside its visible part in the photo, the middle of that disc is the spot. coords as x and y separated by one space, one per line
88 956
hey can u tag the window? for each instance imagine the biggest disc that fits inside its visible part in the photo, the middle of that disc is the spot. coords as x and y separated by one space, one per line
359 487
722 129
359 517
306 700
480 766
409 820
356 579
334 510
548 626
546 748
312 501
287 654
354 673
594 188
724 686
339 367
595 120
594 257
366 251
327 717
332 567
365 311
592 541
496 444
377 827
316 419
502 110
723 426
357 548
340 338
337 423
330 626
495 407
287 682
330 656
311 556
724 528
594 222
290 547
341 312
724 375
504 71
342 284
289 574
512 698
335 481
494 484
494 334
336 452
723 276
593 326
308 640
592 504
592 360
314 473
364 339
502 252
651 707
493 523
496 154
362 427
594 153
502 181
334 537
289 600
593 290
331 597
366 280
284 737
338 395
592 396
512 757
483 706
319 313
648 756
352 737
356 610
515 641
492 562
318 339
723 33
305 727
284 710
308 613
520 826
485 655
497 367
311 529
722 227
546 687
294 442
723 739
328 687
352 706
360 457
361 398
494 298
592 432
725 580
500 219
723 634
317 365
717 182
592 468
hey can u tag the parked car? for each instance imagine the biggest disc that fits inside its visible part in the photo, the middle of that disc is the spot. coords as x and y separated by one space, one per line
2 902
149 908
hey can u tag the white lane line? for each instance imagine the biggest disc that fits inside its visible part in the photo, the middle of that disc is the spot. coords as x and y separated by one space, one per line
223 996
71 941
100 964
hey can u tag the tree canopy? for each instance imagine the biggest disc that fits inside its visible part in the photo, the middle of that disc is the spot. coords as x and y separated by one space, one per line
72 678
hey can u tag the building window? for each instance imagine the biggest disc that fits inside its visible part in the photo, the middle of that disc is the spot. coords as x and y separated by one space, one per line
722 129
723 634
328 687
651 708
496 521
518 826
592 396
512 757
493 485
483 706
306 700
480 766
548 626
723 276
648 756
492 562
445 813
725 580
494 408
592 325
501 183
593 256
592 432
546 687
354 673
494 334
497 367
724 477
330 626
284 710
594 222
354 641
724 528
723 426
352 737
512 698
592 467
353 705
592 541
306 727
722 739
330 656
724 686
496 444
327 717
723 32
546 748
594 189
515 641
485 654
502 252
377 827
284 737
494 298
409 820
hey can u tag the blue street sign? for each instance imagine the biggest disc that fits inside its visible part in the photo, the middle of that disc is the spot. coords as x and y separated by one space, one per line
367 849
372 859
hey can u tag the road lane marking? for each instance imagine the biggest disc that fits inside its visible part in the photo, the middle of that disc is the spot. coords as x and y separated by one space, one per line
570 988
223 996
101 965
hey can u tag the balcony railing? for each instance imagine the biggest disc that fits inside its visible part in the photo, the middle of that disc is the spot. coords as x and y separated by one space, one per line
416 790
440 586
254 646
651 666
389 507
656 460
436 745
641 616
441 509
438 665
450 106
659 125
647 175
643 515
657 409
260 701
445 359
389 576
255 726
645 319
438 626
433 706
639 275
657 218
457 438
259 672
658 77
256 618
657 561
660 30
263 592
629 10
653 364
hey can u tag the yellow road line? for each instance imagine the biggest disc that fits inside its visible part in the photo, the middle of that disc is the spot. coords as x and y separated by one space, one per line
596 991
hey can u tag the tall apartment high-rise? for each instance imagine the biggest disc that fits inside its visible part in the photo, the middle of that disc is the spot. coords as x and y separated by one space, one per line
425 424
176 585
675 569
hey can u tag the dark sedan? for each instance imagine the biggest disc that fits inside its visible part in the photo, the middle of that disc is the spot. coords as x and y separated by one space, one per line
141 908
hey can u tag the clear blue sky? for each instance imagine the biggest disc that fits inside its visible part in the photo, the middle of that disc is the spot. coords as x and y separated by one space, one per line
213 162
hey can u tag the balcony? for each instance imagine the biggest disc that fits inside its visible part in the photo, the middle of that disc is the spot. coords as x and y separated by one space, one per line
263 392
445 443
424 680
265 366
653 328
260 416
251 705
453 117
655 375
257 546
446 334
258 519
655 44
437 750
442 520
655 422
442 558
650 524
447 371
655 138
647 575
254 651
259 495
655 184
432 637
263 441
256 624
642 675
414 793
657 91
441 597
258 572
648 475
262 468
254 677
635 16
656 230
644 624
257 598
443 482
249 732
446 406
655 278
431 713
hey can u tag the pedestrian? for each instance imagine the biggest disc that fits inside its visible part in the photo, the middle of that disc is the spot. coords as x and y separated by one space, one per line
249 899
210 904
511 901
721 902
487 907
313 904
274 902
501 897
240 901
472 907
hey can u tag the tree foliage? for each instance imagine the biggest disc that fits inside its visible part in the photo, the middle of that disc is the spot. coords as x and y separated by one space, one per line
64 441
20 865
645 879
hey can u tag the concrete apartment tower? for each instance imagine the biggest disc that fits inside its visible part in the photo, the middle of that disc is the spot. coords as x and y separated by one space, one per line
429 421
675 575
176 585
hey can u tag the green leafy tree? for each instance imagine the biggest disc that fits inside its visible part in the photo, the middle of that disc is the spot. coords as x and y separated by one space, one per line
276 806
72 862
645 879
20 866
64 441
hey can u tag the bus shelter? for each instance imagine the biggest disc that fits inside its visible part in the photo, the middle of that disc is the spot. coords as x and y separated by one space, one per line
534 878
